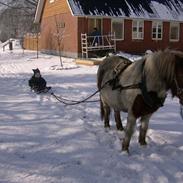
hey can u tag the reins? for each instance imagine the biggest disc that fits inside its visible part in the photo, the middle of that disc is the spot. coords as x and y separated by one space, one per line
179 90
180 95
75 102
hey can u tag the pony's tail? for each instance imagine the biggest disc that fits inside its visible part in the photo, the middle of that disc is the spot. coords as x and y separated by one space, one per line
101 109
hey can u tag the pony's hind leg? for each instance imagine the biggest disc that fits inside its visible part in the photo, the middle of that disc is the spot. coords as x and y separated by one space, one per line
117 117
143 129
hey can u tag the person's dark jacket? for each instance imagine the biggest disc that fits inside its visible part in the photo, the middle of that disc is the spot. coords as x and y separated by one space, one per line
97 37
37 84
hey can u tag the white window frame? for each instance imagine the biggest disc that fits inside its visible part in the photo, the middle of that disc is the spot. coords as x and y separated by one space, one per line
178 25
157 24
122 22
138 33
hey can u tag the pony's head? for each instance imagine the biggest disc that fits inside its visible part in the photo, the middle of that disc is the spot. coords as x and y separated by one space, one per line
169 67
170 64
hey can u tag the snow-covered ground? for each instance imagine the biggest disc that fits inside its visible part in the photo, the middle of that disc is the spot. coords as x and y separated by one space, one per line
43 141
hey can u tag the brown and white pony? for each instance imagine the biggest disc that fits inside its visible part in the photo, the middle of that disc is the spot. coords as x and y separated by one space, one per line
138 88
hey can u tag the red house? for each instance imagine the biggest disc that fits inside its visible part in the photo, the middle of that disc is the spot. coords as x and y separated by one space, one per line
125 25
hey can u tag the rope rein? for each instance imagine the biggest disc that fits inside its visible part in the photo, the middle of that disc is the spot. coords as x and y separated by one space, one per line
78 100
75 102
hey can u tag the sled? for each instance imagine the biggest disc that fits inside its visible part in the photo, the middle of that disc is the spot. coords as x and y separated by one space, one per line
46 90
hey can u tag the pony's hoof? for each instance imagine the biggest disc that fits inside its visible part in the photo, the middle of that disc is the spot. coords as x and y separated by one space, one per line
125 151
120 128
142 142
106 126
125 147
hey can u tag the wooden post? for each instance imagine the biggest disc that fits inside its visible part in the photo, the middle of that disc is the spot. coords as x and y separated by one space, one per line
37 41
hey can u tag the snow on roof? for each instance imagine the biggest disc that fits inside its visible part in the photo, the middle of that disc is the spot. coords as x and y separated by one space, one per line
146 9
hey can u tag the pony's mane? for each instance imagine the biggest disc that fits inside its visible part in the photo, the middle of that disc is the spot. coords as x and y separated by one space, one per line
161 65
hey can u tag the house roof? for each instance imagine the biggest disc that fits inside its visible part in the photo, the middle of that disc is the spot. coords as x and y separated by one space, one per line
146 9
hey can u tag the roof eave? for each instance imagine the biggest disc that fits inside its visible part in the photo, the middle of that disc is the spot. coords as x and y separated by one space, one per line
68 3
126 17
39 11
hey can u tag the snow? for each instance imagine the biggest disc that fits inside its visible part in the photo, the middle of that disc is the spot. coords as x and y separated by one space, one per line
44 141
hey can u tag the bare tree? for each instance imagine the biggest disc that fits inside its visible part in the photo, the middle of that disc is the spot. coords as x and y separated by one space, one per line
59 36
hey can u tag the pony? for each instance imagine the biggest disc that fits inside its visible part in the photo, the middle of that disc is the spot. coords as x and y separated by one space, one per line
139 88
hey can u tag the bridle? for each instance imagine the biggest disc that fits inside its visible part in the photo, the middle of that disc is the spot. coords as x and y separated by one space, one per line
179 92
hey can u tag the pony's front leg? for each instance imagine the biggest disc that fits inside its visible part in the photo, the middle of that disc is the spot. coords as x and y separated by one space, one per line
143 129
117 116
131 120
105 113
106 116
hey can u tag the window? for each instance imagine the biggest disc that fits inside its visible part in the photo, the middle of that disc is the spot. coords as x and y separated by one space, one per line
174 31
138 29
157 30
92 23
51 1
117 27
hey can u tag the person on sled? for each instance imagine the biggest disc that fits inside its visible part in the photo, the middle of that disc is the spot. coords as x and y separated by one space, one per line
38 83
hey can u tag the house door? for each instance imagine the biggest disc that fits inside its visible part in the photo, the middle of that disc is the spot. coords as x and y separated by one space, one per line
94 22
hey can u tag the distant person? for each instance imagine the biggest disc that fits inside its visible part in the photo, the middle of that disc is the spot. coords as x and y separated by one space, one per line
38 83
95 32
97 36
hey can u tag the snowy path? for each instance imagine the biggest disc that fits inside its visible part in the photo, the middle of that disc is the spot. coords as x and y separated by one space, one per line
42 141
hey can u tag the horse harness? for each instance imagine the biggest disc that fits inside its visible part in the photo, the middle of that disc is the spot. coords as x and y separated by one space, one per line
151 99
179 90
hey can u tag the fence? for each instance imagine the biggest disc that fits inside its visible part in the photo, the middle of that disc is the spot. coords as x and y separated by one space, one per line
31 41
